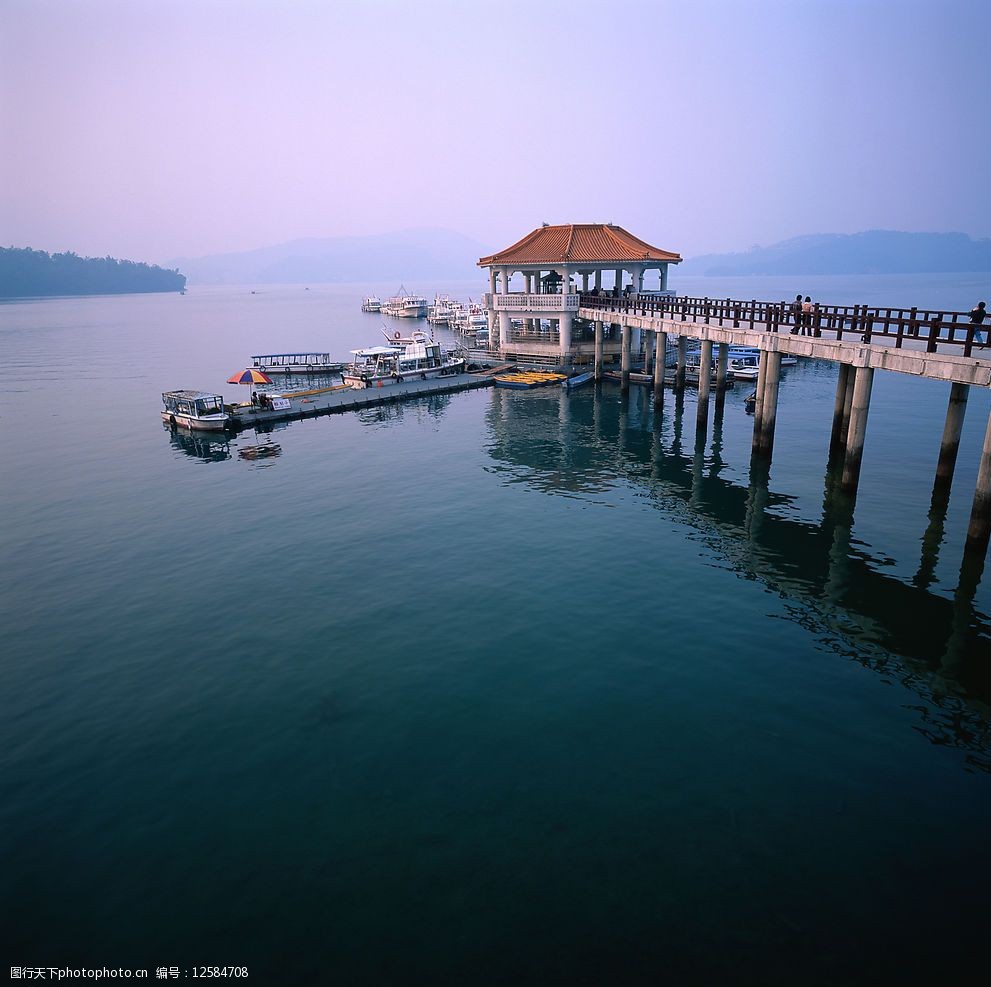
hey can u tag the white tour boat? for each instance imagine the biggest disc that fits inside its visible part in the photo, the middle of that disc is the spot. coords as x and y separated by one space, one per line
195 409
419 359
404 305
439 314
371 304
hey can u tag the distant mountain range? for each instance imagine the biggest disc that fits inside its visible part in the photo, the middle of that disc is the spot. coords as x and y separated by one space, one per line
410 256
432 254
871 252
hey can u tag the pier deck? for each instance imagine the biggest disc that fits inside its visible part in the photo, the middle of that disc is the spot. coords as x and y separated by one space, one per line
305 404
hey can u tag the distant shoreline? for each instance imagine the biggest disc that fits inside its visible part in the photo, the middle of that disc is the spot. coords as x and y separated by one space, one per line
28 273
90 294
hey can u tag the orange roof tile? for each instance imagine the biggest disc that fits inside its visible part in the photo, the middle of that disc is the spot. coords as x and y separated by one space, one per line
579 243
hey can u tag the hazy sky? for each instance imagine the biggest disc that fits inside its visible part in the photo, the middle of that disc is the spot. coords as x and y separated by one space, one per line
157 129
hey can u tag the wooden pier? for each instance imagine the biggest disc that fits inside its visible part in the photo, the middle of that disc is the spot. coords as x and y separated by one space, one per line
325 400
939 345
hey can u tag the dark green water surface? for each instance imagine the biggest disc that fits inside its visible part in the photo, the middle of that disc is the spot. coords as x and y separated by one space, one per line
485 688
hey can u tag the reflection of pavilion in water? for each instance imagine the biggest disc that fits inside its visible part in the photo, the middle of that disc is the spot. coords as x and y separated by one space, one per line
940 648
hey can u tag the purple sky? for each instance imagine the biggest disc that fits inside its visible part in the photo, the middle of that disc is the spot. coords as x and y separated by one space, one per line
157 129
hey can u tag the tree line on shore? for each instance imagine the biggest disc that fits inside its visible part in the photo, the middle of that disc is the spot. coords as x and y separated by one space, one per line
27 273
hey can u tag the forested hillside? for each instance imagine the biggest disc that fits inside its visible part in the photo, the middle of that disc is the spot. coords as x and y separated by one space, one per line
30 273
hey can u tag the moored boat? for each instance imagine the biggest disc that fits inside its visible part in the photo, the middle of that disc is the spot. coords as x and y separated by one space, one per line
439 313
743 371
371 304
198 410
405 305
578 380
418 359
296 363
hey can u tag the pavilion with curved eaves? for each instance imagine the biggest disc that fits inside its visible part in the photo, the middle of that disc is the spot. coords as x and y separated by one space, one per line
535 285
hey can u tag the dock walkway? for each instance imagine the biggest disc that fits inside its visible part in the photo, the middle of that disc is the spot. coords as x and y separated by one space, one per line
306 404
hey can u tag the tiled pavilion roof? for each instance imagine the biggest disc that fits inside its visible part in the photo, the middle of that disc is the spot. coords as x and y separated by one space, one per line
579 243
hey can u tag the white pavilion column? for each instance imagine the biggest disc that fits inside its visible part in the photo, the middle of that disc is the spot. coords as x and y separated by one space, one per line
598 279
505 329
504 279
664 277
491 311
585 281
565 333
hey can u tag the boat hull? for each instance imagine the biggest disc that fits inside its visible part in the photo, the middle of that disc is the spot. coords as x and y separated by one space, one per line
744 373
216 424
573 382
372 380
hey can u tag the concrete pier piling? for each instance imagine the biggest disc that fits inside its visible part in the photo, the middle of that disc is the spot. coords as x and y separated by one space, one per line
859 408
759 405
705 372
722 366
625 356
979 527
679 374
598 349
769 404
660 350
841 421
950 444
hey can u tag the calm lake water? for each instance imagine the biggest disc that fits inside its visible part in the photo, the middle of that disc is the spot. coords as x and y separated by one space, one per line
483 688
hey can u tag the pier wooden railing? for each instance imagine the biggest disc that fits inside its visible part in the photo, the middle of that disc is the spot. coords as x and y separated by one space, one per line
863 322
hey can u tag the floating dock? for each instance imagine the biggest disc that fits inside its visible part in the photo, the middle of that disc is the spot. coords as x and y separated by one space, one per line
341 397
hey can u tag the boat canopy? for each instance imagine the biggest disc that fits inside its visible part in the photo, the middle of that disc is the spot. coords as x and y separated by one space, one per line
378 351
190 395
302 357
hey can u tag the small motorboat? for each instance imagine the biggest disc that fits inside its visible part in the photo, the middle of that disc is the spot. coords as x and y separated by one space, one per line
578 380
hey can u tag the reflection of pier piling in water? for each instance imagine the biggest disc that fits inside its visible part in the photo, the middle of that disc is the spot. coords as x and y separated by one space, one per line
938 646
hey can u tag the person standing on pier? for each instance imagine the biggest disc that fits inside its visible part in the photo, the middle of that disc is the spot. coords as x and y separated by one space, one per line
796 311
807 316
977 317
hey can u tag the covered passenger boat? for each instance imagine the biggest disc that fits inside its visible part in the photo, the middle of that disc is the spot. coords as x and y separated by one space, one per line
195 409
296 363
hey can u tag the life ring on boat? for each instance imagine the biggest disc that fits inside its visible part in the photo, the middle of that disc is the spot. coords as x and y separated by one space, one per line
397 335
